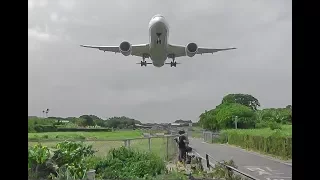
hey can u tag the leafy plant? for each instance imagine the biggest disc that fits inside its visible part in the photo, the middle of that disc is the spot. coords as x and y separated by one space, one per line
68 160
124 163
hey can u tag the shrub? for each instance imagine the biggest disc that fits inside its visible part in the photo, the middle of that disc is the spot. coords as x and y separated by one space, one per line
123 163
69 159
262 124
45 128
275 144
273 125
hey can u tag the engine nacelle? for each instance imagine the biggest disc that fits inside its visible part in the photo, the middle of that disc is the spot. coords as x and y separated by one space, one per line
125 48
191 49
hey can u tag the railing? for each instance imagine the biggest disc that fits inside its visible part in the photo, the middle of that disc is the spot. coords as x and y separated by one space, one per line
230 168
164 145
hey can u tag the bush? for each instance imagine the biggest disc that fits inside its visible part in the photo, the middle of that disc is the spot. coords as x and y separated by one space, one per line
45 128
69 159
273 125
262 124
123 163
274 144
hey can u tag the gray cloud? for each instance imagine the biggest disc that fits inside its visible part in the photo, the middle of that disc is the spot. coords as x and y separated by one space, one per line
71 80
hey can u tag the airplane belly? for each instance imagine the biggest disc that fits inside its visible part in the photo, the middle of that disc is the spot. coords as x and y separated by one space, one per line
158 44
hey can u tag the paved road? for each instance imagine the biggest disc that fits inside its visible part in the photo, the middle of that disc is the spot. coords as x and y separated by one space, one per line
257 166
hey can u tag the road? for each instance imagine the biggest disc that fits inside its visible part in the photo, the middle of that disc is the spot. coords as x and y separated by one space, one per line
257 166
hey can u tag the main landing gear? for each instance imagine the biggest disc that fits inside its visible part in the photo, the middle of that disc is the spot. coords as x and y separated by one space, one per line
173 63
144 62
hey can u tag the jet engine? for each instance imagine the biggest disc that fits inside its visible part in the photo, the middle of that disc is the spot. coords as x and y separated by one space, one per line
191 49
125 48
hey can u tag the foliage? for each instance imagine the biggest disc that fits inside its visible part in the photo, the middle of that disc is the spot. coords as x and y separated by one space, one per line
88 120
276 142
222 171
278 115
123 163
223 116
67 159
45 128
34 122
273 125
53 124
244 99
84 130
121 122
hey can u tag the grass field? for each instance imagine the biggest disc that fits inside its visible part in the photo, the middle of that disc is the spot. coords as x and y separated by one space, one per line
85 135
100 141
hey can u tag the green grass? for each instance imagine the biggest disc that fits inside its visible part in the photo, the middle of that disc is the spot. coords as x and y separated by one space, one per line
84 135
286 131
277 143
158 146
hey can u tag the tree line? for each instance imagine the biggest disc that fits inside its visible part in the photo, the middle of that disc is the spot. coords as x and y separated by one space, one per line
36 124
241 111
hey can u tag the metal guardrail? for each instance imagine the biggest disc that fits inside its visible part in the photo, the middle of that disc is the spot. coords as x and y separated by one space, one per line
230 168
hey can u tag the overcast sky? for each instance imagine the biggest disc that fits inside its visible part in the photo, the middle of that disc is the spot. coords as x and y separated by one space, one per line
71 81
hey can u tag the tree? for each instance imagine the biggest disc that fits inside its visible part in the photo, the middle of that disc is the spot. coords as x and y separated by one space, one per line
226 113
88 120
223 117
244 99
289 107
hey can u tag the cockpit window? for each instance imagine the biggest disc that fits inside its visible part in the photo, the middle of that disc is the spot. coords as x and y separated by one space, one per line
158 15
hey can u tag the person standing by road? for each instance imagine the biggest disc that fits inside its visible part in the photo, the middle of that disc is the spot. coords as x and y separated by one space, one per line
182 145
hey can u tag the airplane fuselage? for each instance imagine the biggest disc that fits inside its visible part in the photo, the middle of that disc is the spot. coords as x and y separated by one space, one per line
158 40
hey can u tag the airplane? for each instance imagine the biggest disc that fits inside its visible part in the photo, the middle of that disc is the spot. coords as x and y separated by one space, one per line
158 49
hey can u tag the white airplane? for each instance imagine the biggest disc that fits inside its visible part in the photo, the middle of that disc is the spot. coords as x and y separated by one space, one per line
158 49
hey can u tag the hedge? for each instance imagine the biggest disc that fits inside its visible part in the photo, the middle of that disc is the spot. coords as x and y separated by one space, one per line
275 145
84 129
45 128
52 128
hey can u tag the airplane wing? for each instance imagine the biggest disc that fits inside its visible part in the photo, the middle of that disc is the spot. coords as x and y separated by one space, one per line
137 50
180 51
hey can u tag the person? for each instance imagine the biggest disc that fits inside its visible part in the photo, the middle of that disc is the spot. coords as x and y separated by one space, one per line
182 145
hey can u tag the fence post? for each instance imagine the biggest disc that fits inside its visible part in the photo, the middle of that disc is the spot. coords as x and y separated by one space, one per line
149 143
207 159
211 137
167 148
125 143
129 143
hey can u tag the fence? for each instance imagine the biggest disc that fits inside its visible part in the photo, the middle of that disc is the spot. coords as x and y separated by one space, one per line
209 136
165 146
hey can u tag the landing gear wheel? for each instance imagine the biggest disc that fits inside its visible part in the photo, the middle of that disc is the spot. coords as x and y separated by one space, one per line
158 41
173 64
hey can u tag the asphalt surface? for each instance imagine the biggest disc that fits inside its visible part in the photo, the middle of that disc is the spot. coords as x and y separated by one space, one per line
260 167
